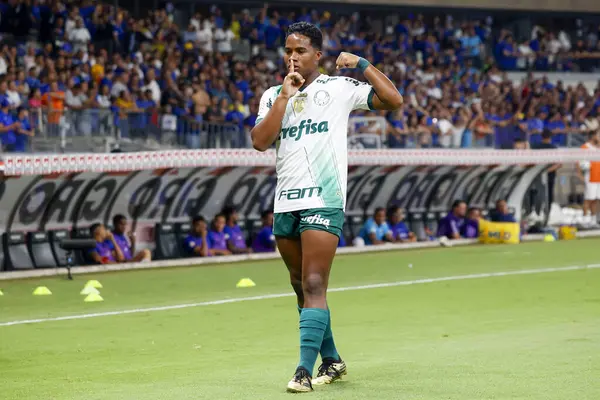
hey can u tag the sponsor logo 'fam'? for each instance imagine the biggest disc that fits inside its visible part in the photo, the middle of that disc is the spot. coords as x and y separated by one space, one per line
317 220
305 127
296 194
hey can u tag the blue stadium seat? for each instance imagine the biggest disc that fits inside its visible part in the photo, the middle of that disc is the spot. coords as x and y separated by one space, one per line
16 254
39 248
166 239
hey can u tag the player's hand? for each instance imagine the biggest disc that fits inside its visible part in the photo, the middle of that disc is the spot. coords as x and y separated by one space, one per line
346 60
292 82
109 235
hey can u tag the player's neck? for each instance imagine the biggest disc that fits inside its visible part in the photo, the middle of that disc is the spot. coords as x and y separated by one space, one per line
309 79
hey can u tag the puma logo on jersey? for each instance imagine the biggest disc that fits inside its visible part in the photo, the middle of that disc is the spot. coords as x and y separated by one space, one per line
317 219
305 127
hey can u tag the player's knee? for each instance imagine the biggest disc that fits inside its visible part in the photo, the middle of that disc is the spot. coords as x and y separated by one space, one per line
313 285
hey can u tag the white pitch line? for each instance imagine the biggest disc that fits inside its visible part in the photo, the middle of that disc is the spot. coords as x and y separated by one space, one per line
279 295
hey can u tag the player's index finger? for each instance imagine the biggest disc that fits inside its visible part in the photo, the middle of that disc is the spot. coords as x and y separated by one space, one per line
291 67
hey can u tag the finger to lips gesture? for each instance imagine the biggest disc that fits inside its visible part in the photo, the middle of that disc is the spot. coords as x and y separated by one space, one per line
292 82
346 60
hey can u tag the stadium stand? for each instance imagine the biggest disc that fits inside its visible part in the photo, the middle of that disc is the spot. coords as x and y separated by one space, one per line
86 76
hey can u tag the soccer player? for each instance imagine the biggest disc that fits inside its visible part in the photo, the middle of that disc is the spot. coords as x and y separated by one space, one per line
307 118
400 231
196 242
107 250
590 173
236 242
470 229
217 239
264 241
452 223
375 230
126 242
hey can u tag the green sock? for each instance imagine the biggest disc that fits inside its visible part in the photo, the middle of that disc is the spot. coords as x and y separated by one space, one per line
328 349
313 322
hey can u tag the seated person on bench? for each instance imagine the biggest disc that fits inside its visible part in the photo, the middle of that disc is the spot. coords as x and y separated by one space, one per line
126 241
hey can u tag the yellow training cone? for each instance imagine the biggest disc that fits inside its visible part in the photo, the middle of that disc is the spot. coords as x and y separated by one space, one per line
245 282
89 290
1 294
94 283
93 297
42 291
549 238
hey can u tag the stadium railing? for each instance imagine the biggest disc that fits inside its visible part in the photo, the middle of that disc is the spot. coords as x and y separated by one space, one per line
93 130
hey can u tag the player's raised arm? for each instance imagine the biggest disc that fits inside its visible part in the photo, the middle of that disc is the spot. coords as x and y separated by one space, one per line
386 95
266 131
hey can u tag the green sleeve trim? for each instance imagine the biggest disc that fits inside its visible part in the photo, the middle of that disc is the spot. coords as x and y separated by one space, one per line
257 121
370 99
278 90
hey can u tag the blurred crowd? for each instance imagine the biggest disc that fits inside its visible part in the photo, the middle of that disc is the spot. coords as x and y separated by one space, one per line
88 68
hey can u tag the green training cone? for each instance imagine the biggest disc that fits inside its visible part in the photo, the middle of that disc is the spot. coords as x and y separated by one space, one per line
89 290
245 282
42 291
94 283
93 297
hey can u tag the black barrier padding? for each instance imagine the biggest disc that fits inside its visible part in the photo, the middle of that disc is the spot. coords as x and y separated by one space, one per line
167 244
39 250
16 254
82 257
182 230
60 255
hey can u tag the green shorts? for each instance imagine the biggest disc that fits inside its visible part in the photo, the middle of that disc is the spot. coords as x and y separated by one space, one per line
293 223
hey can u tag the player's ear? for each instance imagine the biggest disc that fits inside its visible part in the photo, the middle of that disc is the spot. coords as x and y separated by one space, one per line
318 55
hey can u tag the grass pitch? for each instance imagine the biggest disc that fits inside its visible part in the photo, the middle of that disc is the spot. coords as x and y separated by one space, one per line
529 336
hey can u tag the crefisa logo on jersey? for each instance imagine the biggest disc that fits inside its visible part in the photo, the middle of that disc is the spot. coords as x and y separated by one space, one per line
305 127
317 220
321 98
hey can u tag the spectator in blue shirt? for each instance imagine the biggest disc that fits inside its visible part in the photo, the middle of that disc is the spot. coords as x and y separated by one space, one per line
217 238
23 132
400 231
470 228
196 242
264 241
8 126
452 223
236 242
375 230
501 213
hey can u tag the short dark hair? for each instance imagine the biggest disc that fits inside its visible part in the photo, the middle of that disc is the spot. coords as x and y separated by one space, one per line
94 227
118 218
198 218
228 211
392 210
264 214
546 134
378 210
219 215
309 30
457 203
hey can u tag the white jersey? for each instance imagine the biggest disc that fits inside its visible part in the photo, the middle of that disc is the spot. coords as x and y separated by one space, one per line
312 152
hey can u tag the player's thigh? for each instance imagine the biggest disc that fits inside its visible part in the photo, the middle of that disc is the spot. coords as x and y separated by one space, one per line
320 230
591 189
291 253
287 234
317 256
